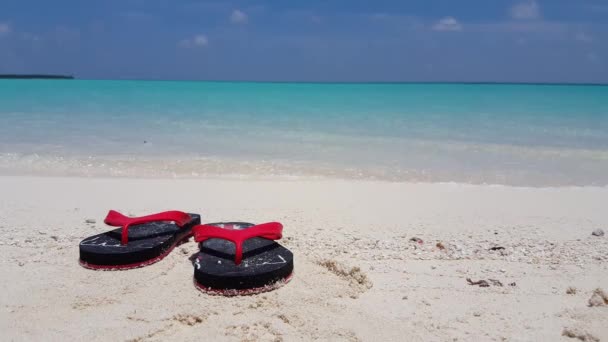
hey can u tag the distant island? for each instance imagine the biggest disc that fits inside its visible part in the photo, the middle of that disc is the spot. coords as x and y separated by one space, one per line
63 77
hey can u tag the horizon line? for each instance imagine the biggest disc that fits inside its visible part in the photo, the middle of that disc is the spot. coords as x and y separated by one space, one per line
72 77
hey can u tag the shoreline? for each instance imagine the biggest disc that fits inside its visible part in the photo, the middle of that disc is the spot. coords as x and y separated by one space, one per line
287 179
232 168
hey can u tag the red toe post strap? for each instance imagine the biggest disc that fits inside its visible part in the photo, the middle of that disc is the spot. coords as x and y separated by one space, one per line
117 219
271 231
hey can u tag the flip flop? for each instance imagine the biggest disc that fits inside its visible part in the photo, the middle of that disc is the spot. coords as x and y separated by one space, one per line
239 258
140 241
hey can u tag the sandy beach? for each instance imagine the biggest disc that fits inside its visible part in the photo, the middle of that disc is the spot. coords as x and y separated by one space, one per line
432 171
375 261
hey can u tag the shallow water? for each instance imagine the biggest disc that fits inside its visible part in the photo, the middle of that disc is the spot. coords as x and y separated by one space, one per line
475 133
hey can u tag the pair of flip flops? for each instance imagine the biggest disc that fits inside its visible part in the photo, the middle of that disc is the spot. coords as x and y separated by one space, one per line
235 258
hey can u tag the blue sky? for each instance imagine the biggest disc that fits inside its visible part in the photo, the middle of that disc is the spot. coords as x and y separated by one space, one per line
314 40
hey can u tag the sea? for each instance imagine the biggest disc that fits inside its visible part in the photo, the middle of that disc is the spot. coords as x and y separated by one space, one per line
503 134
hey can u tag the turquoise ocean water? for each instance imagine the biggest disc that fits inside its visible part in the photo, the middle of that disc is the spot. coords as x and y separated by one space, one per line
535 135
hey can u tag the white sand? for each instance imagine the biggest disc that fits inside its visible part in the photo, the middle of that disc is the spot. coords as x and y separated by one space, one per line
419 292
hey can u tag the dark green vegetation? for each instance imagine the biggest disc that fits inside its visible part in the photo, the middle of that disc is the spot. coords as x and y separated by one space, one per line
37 76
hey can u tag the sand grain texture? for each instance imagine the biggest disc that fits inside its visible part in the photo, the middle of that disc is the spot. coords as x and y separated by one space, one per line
358 277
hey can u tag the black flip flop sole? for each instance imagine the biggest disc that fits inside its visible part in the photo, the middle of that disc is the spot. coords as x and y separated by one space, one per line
266 265
148 243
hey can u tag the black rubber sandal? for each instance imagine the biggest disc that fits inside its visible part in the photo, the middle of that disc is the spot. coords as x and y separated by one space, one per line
238 258
149 239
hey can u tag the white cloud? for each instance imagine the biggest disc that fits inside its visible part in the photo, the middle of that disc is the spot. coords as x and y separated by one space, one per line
527 10
238 17
583 37
199 40
5 28
447 24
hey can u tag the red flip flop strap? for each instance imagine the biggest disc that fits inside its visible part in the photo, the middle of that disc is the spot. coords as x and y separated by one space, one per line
271 231
117 219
